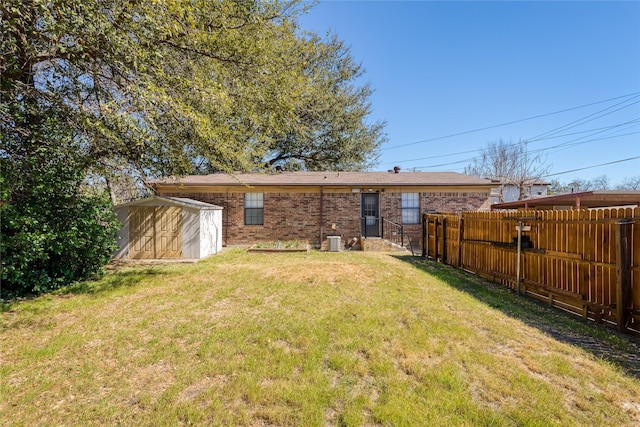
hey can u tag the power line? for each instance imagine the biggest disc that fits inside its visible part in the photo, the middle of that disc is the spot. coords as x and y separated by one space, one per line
556 146
582 120
577 141
604 128
635 94
568 143
591 167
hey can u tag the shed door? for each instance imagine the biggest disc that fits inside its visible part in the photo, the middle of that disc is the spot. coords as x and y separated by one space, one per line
155 232
141 234
168 232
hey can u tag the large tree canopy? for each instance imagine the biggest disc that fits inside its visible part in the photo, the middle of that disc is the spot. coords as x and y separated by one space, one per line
113 91
169 87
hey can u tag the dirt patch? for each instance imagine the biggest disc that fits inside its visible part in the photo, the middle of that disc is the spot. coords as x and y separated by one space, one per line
193 391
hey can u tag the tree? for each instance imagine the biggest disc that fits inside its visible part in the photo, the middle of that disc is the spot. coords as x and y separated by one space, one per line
52 234
160 88
114 92
510 163
331 133
630 183
600 182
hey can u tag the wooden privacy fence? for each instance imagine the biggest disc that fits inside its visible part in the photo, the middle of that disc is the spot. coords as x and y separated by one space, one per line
584 261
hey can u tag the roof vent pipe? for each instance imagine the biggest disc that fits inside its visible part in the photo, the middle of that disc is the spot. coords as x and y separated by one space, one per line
396 169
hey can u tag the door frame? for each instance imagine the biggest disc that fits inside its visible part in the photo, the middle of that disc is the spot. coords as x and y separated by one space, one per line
370 224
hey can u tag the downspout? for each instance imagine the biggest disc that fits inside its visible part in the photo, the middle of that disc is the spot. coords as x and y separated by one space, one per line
321 213
226 218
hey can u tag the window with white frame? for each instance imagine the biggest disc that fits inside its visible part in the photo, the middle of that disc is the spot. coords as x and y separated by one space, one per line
253 209
410 208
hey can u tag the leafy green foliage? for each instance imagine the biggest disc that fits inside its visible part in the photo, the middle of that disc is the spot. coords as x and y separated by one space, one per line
331 132
158 88
52 235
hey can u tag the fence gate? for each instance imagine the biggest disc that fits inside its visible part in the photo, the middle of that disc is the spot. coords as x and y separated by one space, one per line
433 232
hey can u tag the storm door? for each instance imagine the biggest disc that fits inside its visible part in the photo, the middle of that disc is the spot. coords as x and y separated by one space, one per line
371 215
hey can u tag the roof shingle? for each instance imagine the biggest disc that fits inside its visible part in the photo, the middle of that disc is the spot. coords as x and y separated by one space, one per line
329 178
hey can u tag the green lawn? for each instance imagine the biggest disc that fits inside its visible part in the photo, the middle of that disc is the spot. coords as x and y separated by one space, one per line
303 339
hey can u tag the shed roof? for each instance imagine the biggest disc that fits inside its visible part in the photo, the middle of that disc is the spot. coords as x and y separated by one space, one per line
329 179
586 199
174 201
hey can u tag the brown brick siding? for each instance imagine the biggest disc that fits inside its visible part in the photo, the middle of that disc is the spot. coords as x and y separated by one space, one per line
434 202
299 216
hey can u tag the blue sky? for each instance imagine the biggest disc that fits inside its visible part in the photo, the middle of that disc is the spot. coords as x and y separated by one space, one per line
441 69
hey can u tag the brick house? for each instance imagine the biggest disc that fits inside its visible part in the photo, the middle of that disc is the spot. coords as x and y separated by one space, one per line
310 206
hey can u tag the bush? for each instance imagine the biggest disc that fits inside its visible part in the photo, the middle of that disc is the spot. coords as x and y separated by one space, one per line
51 242
41 252
52 233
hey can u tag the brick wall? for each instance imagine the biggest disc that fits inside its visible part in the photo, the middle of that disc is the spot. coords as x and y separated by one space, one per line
343 210
454 202
305 217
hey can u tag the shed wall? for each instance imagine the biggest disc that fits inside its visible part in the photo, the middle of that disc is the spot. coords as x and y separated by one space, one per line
190 233
123 233
210 232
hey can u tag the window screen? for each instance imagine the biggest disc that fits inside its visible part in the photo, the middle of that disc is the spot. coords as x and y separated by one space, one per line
410 208
253 209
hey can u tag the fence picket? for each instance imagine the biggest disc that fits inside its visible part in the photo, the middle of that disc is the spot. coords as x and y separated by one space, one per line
571 262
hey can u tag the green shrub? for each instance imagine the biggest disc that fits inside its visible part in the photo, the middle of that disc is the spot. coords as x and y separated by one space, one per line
52 234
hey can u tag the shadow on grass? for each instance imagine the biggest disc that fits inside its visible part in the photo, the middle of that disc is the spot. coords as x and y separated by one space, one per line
111 280
114 277
603 342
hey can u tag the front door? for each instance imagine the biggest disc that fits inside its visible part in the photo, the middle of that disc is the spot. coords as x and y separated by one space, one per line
371 215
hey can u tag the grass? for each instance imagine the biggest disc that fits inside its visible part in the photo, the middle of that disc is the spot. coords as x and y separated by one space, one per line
314 338
289 244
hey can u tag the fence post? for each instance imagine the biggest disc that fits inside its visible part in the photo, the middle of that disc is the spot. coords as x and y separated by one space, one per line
401 236
623 273
444 239
435 237
460 231
519 255
382 227
425 225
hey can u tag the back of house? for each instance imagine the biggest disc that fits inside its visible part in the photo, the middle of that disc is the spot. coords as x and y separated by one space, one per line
311 206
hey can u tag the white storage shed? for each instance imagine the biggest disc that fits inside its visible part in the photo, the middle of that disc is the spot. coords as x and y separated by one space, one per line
169 228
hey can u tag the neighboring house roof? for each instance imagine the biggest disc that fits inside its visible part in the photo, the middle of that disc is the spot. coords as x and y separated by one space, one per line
175 201
586 199
329 179
509 181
